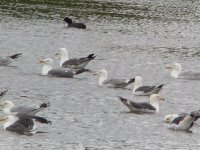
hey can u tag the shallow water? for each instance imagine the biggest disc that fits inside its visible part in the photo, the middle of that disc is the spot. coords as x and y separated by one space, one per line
133 38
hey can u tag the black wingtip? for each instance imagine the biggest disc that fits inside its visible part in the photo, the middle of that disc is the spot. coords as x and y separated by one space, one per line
45 105
122 99
131 80
3 93
91 56
160 86
15 56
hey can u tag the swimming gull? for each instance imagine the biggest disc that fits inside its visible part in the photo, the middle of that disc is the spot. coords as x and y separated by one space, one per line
184 122
2 94
22 125
143 107
5 60
141 90
47 69
8 107
168 118
176 72
115 83
74 24
74 63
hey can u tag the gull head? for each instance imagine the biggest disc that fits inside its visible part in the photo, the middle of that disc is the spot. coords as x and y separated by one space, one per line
138 79
154 101
62 52
169 118
46 61
174 66
156 97
7 104
175 69
101 73
8 118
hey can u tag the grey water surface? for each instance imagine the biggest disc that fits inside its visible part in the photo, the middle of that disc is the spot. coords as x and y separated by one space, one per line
129 38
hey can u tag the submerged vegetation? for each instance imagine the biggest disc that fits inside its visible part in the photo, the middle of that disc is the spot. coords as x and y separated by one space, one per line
52 9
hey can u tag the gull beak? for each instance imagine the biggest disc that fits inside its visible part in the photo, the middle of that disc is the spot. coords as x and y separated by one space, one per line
1 104
57 54
162 98
41 61
2 119
95 73
168 66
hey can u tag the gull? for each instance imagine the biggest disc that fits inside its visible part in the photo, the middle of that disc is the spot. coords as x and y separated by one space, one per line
144 107
6 60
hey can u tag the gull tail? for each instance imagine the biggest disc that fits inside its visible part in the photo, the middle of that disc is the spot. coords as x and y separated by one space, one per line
160 86
15 56
123 100
42 106
79 71
45 105
131 80
91 56
40 132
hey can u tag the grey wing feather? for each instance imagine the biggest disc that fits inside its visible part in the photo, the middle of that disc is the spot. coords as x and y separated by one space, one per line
177 120
190 75
20 128
23 109
115 82
142 105
145 89
76 62
61 73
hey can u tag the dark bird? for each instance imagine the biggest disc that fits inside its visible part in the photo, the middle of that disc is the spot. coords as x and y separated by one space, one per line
74 24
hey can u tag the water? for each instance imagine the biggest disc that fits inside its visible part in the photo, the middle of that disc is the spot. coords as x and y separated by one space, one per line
133 38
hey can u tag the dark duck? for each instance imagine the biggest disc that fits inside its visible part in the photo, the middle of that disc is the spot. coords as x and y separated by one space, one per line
74 24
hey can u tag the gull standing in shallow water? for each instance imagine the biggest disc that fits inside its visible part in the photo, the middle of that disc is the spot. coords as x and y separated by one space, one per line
22 125
141 90
114 83
74 63
184 122
8 107
176 72
143 107
6 60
